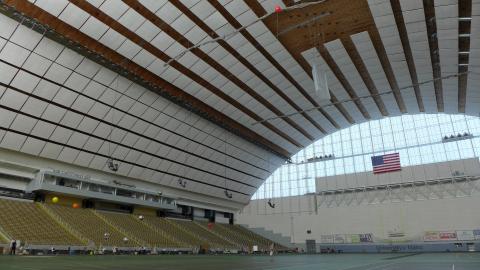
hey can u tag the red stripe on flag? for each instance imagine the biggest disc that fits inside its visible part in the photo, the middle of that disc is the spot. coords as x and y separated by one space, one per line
391 163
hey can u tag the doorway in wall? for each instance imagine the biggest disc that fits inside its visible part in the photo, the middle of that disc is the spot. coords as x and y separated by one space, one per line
311 246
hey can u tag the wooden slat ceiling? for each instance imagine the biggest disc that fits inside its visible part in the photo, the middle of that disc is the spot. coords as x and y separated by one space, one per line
385 57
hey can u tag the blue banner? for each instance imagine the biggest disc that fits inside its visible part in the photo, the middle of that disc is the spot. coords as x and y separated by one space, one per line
366 238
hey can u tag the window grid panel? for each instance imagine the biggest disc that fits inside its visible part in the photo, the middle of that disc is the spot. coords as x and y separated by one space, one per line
417 138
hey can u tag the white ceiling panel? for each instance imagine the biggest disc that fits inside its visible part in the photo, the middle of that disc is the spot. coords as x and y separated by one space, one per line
446 16
74 16
168 13
48 49
25 38
83 159
7 26
32 146
14 54
23 123
116 10
55 7
371 61
417 34
112 39
345 64
51 150
94 28
387 28
13 99
334 85
473 83
12 141
153 5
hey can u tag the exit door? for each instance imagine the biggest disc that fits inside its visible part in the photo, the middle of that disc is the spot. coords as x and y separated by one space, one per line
311 246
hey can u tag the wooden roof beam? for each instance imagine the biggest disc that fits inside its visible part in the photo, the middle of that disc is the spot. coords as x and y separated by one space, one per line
343 80
257 8
178 4
162 87
153 18
429 10
101 16
363 71
402 30
387 67
464 27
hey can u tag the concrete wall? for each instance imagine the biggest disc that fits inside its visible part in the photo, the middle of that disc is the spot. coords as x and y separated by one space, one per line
293 216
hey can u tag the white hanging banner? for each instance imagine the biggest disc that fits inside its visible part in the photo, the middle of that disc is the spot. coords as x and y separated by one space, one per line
320 82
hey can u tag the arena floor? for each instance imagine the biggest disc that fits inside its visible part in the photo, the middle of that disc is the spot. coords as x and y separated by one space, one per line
456 261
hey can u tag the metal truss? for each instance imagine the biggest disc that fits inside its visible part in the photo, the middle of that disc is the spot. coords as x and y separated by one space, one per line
454 187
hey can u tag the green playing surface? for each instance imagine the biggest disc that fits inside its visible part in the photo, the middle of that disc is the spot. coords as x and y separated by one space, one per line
441 261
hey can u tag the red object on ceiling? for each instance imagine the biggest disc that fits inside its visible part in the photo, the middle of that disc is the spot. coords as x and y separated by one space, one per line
278 9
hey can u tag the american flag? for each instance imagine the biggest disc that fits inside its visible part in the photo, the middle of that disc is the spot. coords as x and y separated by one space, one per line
386 163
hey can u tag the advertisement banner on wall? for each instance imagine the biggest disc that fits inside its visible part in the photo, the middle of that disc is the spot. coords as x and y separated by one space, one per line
366 238
354 238
431 236
476 233
465 235
339 239
447 236
326 239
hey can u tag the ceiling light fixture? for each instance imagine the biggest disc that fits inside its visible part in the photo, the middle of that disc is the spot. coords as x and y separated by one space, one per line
112 165
464 19
465 52
182 182
464 35
228 194
271 204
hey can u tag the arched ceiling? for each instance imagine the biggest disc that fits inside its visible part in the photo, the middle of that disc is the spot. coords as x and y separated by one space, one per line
59 68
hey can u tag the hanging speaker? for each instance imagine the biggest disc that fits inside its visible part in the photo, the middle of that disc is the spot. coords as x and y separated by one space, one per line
320 82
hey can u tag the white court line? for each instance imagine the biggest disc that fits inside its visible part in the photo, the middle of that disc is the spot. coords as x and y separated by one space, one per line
366 265
348 268
378 267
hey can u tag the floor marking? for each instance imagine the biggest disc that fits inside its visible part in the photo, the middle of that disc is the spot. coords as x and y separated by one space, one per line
378 267
402 256
368 264
453 266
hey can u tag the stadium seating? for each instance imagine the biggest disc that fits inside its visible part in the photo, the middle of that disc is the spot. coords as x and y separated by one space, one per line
47 224
27 222
3 240
222 232
252 237
211 240
136 229
91 226
238 235
167 227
